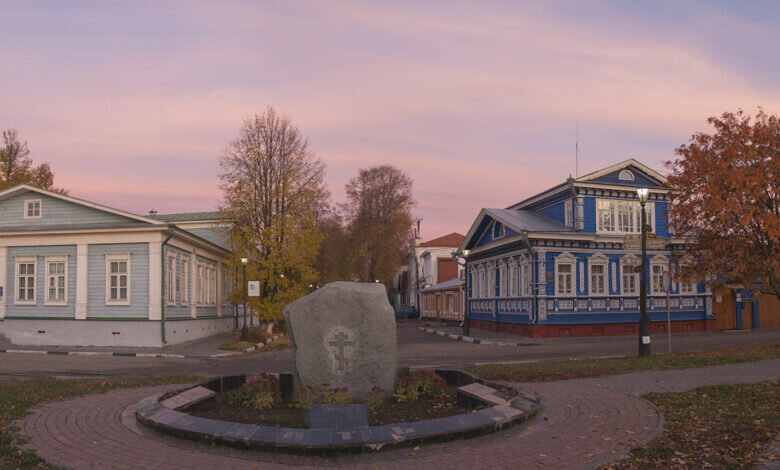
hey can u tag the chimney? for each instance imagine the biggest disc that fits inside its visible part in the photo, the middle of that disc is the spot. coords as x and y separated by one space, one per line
152 212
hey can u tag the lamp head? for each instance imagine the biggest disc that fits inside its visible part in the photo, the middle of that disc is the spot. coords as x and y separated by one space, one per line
642 193
244 260
466 253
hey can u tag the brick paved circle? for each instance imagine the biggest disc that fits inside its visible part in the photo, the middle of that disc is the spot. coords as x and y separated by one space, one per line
578 426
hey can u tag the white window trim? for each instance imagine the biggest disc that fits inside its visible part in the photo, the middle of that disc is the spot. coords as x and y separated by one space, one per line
170 280
185 281
501 230
600 260
40 208
657 260
25 260
118 257
629 176
566 258
623 267
55 259
526 281
649 211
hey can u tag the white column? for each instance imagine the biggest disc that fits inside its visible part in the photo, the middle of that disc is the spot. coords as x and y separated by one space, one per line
82 279
155 278
219 289
3 279
193 284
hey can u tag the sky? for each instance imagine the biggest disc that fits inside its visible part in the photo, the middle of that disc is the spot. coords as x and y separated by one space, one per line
480 102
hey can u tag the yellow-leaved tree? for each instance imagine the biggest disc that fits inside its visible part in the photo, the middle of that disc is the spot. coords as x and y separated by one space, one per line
272 189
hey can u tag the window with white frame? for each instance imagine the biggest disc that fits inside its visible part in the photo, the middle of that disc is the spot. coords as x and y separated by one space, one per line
199 294
170 271
498 230
597 266
213 285
526 279
629 278
185 280
491 290
568 211
564 275
503 278
687 287
618 216
56 280
513 279
657 268
32 208
25 280
118 279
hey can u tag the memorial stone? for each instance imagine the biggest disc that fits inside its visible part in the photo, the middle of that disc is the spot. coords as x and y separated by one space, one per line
343 335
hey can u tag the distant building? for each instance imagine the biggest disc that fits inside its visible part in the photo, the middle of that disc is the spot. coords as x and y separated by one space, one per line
427 264
443 301
76 273
562 263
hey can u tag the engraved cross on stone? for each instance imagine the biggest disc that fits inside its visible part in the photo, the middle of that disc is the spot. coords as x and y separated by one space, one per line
341 341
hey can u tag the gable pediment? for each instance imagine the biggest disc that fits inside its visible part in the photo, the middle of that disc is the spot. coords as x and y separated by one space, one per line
628 173
55 211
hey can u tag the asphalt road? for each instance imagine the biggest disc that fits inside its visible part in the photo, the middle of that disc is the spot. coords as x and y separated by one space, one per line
415 348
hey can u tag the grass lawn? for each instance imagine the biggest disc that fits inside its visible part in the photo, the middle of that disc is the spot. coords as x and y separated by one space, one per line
17 397
725 426
572 369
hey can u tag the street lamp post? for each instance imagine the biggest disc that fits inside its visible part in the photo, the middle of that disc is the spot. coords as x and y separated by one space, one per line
644 320
244 329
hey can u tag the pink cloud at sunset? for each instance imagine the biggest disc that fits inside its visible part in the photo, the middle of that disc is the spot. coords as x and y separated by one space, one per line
131 103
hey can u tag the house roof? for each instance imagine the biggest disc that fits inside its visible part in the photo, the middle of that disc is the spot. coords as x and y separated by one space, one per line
618 166
453 240
444 285
25 187
527 221
187 216
591 178
521 221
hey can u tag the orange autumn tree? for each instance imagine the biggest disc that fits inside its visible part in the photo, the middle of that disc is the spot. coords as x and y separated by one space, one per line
727 198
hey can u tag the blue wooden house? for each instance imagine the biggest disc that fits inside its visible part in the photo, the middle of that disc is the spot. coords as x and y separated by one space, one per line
562 263
76 273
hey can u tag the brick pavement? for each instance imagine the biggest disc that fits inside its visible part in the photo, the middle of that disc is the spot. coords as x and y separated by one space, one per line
578 426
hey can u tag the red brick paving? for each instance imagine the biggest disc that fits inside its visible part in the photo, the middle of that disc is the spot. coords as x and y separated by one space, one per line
584 425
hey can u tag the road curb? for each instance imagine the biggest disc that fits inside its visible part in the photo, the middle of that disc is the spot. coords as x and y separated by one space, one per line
132 354
469 339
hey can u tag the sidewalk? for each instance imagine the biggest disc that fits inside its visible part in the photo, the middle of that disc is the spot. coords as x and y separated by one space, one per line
582 424
477 336
207 347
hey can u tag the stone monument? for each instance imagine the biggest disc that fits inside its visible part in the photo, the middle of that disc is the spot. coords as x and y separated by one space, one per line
343 335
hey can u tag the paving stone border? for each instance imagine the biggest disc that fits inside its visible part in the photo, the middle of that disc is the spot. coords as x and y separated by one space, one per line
503 413
132 354
469 339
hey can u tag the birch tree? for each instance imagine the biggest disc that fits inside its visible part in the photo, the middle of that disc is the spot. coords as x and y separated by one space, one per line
272 189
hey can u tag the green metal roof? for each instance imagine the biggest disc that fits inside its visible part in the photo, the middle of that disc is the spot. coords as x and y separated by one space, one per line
187 216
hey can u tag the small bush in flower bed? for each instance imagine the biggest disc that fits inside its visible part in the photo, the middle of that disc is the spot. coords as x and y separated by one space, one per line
375 397
323 393
259 393
419 383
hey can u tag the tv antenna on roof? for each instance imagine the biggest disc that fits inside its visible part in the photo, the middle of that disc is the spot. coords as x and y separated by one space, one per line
577 151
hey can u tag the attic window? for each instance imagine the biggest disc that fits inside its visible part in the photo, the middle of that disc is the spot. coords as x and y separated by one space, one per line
626 175
32 209
498 230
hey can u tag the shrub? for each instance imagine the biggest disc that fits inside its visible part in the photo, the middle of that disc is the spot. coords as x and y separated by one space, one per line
259 393
420 383
375 397
320 394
